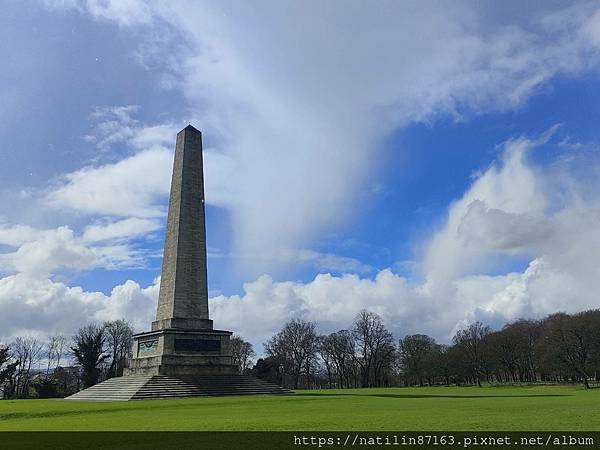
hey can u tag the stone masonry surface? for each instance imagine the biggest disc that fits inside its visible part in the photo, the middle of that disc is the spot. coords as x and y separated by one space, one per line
183 287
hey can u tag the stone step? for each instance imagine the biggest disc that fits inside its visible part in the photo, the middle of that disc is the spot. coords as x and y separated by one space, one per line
161 386
119 388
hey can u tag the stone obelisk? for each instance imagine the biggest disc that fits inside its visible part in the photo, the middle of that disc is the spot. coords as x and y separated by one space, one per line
182 355
182 340
183 298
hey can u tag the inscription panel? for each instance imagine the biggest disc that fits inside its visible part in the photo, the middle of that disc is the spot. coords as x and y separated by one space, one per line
147 348
198 345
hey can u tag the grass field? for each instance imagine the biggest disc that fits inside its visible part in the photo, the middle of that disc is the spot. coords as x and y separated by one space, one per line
439 408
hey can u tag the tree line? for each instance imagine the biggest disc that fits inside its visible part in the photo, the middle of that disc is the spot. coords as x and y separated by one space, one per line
58 367
559 348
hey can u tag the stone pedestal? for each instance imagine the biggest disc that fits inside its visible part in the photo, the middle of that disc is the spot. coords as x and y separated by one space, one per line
178 352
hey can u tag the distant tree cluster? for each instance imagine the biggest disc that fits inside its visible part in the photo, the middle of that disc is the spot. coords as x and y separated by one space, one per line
363 356
242 353
30 367
560 348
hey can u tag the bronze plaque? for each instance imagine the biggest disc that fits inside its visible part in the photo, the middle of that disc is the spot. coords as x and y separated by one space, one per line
147 347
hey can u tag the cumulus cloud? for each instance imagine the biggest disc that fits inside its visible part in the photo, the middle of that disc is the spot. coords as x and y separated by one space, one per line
507 195
331 301
53 249
39 306
511 210
17 234
46 252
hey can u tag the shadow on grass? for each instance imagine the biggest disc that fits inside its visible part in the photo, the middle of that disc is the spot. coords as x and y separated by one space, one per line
408 396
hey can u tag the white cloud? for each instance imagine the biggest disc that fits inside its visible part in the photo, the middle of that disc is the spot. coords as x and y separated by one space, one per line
132 302
34 305
44 253
117 124
53 249
130 187
332 301
17 235
511 191
112 125
511 210
154 135
121 229
136 186
298 99
514 209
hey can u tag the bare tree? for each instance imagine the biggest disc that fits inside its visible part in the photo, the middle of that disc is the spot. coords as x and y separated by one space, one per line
55 349
295 346
337 351
374 343
28 352
385 362
326 351
560 348
528 332
414 351
469 342
344 358
440 362
574 343
119 340
242 353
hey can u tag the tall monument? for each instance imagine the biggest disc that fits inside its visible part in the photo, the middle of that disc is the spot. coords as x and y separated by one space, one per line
183 298
182 340
182 355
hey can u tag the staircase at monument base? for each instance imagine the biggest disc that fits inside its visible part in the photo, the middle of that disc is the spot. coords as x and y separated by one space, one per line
138 387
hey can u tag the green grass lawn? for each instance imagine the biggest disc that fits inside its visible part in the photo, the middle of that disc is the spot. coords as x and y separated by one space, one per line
439 408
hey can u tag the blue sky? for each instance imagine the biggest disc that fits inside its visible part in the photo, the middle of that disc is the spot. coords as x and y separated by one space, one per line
436 165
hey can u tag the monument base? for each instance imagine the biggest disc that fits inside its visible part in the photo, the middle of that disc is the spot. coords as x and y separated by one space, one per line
147 387
175 363
179 352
